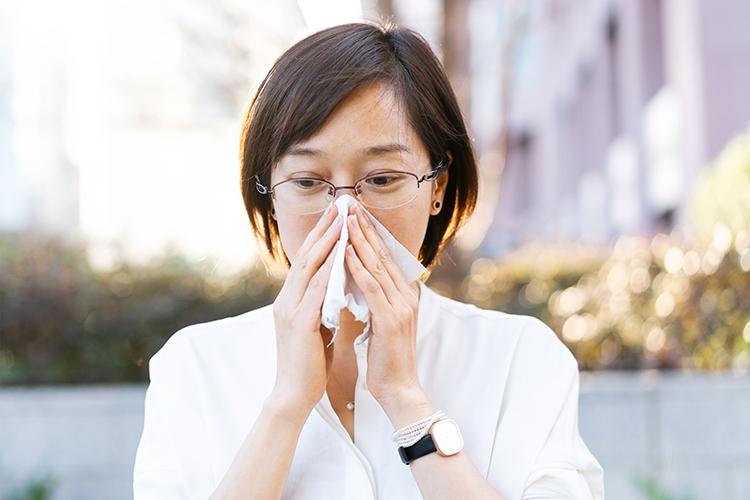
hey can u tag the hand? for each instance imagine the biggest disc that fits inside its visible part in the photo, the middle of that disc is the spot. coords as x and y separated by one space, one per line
393 303
303 361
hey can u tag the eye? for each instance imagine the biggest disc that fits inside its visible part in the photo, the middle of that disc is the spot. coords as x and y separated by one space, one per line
384 180
306 184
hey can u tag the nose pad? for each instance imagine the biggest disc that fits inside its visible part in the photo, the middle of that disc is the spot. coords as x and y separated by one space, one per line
338 191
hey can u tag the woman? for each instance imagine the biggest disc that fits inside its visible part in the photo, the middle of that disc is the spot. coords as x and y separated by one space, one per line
265 405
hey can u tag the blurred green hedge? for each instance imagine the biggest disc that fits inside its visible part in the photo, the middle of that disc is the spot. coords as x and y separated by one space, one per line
62 322
659 303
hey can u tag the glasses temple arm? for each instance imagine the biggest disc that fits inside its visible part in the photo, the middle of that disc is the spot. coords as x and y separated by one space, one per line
260 187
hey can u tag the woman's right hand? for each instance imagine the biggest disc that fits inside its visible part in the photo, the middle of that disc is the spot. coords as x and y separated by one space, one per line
302 358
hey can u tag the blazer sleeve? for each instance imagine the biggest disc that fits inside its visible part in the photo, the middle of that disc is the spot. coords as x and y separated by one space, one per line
172 458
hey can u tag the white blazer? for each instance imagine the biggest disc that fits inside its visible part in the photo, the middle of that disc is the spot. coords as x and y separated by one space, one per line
507 380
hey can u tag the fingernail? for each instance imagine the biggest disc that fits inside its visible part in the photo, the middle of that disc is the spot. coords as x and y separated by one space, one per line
328 209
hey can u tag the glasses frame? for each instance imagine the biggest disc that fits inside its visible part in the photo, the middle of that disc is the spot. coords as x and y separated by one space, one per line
333 190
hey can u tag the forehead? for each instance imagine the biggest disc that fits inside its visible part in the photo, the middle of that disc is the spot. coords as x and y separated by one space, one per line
370 121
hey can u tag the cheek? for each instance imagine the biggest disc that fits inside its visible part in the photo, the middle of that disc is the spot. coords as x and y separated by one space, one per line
408 225
293 229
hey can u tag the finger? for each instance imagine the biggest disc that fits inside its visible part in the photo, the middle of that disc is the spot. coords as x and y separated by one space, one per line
325 221
372 289
381 249
375 257
315 290
305 266
370 260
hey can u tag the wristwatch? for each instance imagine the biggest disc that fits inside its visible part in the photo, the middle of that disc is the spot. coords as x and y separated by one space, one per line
444 437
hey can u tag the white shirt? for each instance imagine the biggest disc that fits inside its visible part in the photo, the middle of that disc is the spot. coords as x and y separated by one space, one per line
507 380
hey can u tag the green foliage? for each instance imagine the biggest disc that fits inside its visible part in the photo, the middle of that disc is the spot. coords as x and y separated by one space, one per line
63 322
659 303
722 193
37 489
654 491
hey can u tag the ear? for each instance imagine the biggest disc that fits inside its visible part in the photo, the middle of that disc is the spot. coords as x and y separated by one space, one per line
273 212
438 188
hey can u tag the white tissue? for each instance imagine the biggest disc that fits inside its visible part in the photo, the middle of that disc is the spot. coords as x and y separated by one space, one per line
343 292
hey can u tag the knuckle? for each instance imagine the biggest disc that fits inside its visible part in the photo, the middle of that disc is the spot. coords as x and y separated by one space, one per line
372 286
384 254
316 282
380 268
300 262
365 222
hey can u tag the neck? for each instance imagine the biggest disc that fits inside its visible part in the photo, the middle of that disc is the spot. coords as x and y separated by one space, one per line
349 329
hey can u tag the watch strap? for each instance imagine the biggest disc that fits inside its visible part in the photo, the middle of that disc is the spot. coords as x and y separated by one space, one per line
423 447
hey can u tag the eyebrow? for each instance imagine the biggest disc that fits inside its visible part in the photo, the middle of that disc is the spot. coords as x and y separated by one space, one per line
300 151
394 147
387 148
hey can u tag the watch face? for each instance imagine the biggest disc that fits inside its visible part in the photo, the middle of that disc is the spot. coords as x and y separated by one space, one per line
447 437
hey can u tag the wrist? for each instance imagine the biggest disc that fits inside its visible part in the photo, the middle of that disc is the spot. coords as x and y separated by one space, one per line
289 408
438 434
407 406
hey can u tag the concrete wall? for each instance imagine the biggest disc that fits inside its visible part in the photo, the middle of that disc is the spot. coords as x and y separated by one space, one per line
689 433
85 436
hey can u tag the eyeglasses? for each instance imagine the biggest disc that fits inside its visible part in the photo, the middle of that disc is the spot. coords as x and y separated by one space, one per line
383 190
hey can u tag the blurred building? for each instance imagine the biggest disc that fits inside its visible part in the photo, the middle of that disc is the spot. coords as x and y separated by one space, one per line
616 107
38 184
120 120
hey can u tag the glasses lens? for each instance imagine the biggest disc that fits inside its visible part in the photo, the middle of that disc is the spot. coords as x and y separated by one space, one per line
387 190
303 196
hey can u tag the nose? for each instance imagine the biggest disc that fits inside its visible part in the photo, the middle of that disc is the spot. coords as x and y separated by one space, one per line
337 191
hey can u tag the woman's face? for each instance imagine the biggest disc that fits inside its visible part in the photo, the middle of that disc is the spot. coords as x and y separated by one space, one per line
367 133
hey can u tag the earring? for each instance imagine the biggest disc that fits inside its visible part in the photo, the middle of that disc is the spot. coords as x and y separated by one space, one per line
436 205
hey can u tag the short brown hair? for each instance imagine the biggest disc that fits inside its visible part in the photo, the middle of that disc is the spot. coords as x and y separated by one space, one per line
312 77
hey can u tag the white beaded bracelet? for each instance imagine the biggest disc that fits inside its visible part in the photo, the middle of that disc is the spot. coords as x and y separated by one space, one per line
410 434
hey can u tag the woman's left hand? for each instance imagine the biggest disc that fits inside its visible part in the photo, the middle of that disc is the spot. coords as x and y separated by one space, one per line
392 354
392 359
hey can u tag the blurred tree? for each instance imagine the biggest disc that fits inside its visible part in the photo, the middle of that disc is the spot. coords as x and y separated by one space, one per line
513 27
456 43
228 46
217 57
722 194
493 144
386 11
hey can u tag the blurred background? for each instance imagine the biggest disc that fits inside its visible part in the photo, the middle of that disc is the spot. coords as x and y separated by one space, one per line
615 205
